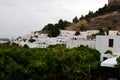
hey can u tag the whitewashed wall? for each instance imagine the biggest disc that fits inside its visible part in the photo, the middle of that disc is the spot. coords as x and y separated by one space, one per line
102 44
76 43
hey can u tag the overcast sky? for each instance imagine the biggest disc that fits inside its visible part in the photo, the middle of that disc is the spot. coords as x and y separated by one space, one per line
20 17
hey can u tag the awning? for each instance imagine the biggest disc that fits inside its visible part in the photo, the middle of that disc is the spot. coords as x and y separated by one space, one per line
111 62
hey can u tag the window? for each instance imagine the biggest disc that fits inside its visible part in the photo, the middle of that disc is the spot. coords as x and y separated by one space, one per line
111 42
104 58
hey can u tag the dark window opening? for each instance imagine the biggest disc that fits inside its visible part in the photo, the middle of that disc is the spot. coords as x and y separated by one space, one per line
111 42
104 58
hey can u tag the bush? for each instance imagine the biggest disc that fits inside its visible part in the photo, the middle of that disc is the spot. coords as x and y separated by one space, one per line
32 40
108 52
57 63
26 46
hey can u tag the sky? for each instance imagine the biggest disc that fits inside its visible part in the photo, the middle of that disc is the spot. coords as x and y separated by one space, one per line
20 17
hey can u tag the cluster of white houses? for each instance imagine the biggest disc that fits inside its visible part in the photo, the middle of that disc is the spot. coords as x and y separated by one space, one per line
65 37
102 43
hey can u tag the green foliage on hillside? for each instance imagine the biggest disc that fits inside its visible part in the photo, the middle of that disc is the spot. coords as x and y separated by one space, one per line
54 29
75 20
62 24
101 11
118 63
57 63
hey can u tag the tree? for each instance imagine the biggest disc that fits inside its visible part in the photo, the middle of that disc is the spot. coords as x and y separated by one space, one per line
77 33
56 63
62 24
32 40
26 46
101 31
108 52
75 20
82 17
53 30
118 63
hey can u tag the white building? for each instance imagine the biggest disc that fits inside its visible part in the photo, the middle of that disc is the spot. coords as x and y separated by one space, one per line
105 43
42 41
76 43
90 32
61 40
83 33
113 33
79 37
52 41
66 33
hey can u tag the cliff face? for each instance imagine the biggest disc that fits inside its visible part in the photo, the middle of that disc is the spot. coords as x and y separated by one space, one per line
106 21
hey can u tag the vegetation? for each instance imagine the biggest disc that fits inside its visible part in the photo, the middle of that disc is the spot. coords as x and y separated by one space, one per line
54 29
32 40
57 63
75 20
26 46
62 24
77 33
101 11
101 31
108 52
118 63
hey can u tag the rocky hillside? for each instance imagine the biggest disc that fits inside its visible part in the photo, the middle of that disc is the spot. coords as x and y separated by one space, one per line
107 21
105 18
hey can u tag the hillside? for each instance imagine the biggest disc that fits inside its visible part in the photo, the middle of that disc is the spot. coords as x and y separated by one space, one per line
76 26
105 18
107 21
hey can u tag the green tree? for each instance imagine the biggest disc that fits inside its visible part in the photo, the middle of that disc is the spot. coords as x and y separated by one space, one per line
75 20
118 62
82 17
77 33
32 40
56 63
53 30
62 24
108 52
26 46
